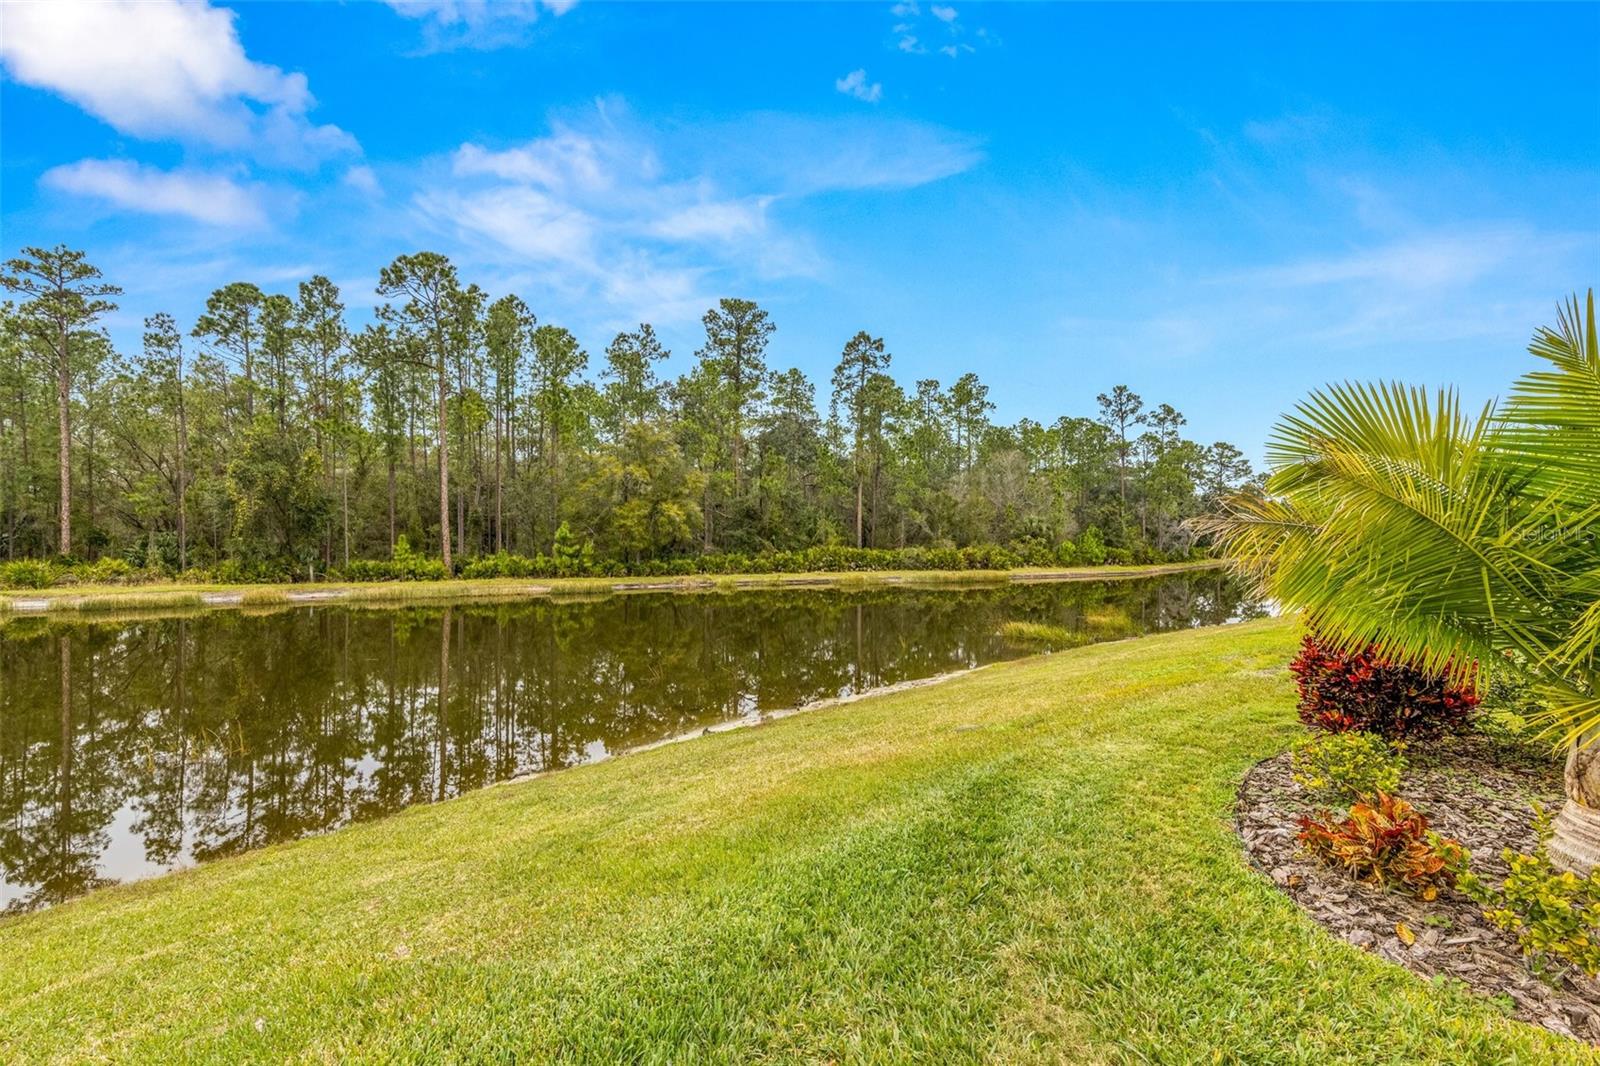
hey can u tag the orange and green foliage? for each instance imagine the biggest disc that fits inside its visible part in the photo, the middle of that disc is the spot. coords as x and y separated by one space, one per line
1384 842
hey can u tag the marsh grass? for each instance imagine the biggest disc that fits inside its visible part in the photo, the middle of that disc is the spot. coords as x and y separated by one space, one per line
1040 635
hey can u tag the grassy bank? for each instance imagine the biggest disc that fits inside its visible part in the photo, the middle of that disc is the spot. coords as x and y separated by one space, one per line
1030 863
137 597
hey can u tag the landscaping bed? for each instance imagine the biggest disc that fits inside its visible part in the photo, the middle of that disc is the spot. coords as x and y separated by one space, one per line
1472 791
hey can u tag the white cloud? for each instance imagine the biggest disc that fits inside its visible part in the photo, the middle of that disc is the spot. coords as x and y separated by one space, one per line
651 222
214 199
724 220
855 84
163 69
916 36
794 155
477 12
478 23
529 222
563 160
362 179
1425 262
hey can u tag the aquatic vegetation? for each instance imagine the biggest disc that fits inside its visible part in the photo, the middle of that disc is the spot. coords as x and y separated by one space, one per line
1041 635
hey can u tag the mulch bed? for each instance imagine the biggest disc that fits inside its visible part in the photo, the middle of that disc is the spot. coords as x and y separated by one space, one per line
1470 791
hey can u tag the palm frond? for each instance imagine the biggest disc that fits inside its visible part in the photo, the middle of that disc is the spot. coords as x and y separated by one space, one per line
1394 518
1552 421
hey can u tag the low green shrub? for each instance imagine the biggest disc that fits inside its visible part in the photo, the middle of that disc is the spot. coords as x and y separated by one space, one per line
1554 914
573 556
1347 766
26 574
253 572
404 565
110 570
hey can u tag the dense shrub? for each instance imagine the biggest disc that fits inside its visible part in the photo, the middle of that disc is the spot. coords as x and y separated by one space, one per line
1091 548
26 574
253 572
1384 842
1347 766
110 571
1340 693
1033 551
405 565
1555 914
572 557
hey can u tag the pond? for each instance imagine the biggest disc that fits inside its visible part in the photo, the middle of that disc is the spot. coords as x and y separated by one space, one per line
133 747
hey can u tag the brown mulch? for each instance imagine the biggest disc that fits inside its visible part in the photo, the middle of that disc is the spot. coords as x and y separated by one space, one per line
1470 791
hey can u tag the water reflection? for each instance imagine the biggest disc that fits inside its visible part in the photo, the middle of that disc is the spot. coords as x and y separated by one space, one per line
131 748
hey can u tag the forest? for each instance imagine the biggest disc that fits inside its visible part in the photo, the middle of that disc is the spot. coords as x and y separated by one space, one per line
274 438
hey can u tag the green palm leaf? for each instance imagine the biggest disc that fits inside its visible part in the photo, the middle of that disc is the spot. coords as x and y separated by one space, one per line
1395 518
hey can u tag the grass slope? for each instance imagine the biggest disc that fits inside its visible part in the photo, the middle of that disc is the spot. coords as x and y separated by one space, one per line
174 595
1030 863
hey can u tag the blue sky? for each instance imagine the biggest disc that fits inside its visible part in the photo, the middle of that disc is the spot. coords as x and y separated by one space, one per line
1220 206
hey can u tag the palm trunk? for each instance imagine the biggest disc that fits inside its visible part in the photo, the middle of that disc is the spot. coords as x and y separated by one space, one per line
1575 844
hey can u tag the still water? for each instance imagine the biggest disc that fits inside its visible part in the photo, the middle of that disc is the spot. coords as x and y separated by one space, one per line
129 748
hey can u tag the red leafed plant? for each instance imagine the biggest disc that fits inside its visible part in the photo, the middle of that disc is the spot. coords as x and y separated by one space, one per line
1340 693
1384 842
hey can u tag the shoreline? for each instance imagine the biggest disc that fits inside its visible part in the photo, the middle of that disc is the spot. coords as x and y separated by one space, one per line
22 603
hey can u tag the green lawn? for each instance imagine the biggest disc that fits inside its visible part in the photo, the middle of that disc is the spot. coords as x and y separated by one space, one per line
1033 862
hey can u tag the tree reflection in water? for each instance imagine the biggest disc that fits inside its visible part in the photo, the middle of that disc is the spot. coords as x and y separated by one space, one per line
132 747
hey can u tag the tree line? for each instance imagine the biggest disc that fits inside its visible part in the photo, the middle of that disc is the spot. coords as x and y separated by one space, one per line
274 433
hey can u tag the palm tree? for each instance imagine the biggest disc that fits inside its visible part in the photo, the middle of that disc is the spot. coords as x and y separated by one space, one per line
1395 518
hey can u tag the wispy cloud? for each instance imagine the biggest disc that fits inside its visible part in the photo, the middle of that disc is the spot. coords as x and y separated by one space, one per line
946 34
364 180
159 69
855 84
1383 307
215 199
1429 261
796 155
528 221
481 24
647 219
